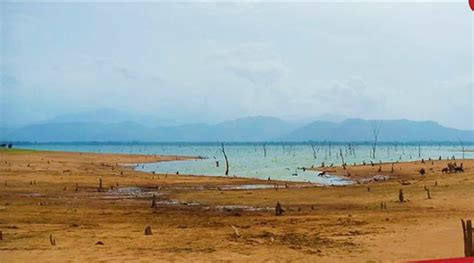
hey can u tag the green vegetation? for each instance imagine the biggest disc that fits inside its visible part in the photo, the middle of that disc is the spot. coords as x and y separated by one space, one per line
16 151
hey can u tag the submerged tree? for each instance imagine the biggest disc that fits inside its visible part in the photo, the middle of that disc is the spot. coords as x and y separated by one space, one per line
375 133
462 148
314 151
226 160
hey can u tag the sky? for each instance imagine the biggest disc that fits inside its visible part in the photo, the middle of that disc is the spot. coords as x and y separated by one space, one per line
209 62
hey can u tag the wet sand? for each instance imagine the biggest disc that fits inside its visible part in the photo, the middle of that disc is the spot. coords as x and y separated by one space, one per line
199 218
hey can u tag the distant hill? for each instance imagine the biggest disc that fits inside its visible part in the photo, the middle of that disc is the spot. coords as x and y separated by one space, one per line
246 129
250 129
357 130
112 116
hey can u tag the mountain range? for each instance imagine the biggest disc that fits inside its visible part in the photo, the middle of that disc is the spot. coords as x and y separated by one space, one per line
111 126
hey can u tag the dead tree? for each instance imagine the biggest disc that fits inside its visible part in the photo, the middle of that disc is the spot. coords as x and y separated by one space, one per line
462 148
226 160
1 235
428 193
278 209
314 151
375 133
467 237
264 150
342 159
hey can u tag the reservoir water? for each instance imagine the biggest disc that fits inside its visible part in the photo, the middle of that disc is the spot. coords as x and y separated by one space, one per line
279 161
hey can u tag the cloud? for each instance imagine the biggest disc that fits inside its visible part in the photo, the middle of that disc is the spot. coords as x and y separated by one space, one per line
253 62
211 61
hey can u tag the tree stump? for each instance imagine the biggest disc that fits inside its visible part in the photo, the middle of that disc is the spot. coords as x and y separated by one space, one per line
278 209
153 201
467 237
148 231
100 184
52 240
401 198
422 171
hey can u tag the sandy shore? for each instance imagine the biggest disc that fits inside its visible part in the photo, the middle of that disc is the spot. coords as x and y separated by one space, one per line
202 218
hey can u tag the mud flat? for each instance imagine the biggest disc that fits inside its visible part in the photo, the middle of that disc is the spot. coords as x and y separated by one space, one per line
203 218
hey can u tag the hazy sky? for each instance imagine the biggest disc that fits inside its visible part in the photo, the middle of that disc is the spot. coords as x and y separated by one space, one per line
207 62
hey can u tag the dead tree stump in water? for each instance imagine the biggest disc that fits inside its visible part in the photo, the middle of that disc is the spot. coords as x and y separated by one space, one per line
148 231
278 209
467 237
226 160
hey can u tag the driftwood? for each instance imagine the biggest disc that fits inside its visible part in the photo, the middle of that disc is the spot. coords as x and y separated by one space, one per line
236 231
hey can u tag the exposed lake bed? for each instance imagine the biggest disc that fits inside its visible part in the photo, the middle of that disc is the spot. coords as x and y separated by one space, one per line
86 198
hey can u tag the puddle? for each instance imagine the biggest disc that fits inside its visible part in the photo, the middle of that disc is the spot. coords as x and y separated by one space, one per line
237 208
131 192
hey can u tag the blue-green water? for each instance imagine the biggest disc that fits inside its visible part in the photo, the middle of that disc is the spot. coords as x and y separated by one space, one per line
281 161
